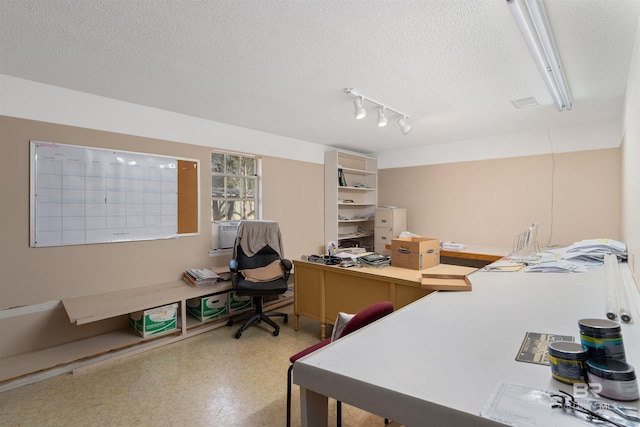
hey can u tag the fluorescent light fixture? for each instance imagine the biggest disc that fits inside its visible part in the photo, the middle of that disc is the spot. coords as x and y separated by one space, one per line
382 108
360 111
382 120
531 18
404 127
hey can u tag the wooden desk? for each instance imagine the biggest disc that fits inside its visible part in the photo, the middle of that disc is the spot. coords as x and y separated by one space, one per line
437 361
321 291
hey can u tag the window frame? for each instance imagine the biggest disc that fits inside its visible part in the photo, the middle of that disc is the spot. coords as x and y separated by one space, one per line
225 198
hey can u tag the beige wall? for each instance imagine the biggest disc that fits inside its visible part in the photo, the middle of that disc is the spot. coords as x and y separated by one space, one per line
29 276
482 202
573 196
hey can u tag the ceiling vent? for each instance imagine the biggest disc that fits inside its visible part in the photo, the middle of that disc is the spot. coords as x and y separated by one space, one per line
525 102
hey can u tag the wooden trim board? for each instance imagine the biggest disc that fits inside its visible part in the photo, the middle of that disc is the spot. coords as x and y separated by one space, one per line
445 282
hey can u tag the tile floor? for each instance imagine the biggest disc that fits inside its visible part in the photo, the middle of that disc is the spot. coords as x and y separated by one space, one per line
208 379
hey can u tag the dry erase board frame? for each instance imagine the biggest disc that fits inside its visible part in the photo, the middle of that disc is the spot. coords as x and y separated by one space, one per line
86 195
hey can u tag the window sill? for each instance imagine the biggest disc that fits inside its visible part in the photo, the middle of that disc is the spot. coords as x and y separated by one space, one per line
220 252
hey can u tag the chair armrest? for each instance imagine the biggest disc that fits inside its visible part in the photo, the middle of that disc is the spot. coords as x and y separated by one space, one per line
286 264
233 268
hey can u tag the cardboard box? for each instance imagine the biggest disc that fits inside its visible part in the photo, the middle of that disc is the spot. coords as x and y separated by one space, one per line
416 253
209 307
155 321
237 303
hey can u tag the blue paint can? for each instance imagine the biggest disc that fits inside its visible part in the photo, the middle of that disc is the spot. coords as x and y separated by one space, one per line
602 338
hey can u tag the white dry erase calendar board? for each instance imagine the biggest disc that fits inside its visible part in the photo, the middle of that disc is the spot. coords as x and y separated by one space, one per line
84 195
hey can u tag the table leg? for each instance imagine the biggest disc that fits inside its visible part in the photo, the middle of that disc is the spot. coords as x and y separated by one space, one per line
313 408
296 322
323 331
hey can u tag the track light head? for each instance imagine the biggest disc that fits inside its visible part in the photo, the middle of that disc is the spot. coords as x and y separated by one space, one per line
404 126
382 109
382 120
360 111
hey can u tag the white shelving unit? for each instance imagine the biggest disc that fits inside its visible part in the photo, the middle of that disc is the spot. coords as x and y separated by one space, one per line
351 197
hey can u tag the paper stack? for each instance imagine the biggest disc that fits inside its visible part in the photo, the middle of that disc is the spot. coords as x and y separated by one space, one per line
560 266
200 276
452 246
374 260
595 249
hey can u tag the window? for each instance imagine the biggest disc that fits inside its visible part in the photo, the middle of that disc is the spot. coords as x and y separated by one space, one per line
234 187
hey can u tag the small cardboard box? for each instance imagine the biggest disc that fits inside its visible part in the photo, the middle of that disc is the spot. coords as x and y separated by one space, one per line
416 253
155 321
239 303
209 307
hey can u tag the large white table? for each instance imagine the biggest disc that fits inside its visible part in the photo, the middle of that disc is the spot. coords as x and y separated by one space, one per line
436 361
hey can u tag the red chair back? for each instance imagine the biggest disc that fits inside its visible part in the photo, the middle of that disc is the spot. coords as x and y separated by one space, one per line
368 315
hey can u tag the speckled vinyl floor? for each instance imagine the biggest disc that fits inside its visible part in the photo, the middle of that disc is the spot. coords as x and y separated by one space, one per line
210 379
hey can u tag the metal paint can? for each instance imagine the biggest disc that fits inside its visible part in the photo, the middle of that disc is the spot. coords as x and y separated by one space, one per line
617 378
568 362
602 338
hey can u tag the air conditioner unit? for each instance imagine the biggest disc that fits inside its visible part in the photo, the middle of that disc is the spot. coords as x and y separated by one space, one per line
227 234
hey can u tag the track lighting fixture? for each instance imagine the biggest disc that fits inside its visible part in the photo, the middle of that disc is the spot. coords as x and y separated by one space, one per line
382 109
531 18
360 111
404 127
382 120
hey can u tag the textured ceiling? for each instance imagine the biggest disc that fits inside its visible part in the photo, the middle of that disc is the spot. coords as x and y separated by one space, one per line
281 66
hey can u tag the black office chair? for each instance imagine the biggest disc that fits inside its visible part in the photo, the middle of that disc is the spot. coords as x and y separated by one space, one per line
259 273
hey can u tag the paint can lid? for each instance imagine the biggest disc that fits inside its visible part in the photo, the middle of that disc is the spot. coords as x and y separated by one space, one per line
599 327
567 350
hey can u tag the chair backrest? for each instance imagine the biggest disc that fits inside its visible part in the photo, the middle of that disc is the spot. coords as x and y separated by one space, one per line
254 235
366 316
264 257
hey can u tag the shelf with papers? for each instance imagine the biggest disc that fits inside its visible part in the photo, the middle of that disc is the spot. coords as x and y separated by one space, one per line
344 187
354 204
353 235
351 197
